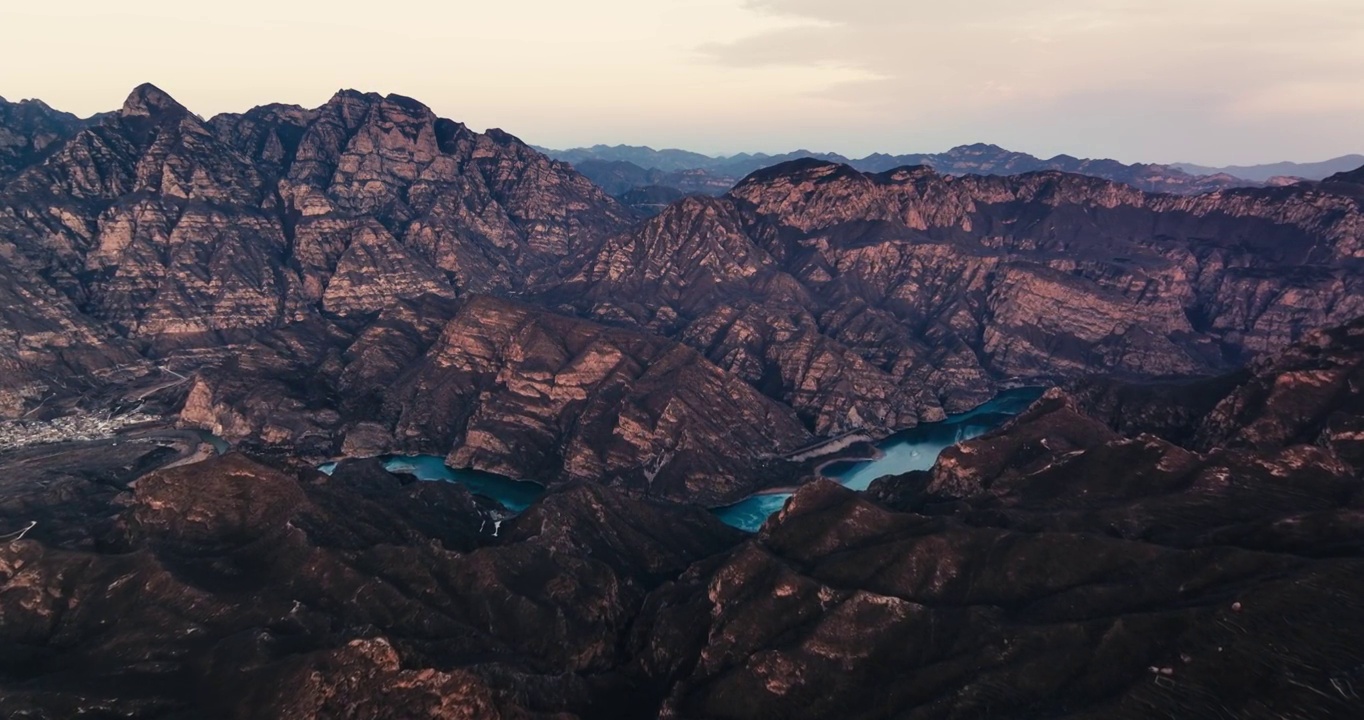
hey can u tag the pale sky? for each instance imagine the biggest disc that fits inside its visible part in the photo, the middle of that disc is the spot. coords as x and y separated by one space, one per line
1209 81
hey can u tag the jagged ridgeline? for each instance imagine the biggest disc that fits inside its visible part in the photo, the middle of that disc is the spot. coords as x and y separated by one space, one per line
368 277
1176 535
642 177
1054 568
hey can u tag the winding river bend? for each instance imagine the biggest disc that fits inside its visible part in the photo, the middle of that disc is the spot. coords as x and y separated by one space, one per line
515 495
914 449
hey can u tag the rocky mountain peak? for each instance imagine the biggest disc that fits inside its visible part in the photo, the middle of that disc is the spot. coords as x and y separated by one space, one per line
392 102
690 206
799 170
148 100
410 104
29 129
353 95
976 148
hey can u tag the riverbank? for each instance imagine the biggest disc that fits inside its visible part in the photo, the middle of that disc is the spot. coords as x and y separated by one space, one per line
514 495
906 451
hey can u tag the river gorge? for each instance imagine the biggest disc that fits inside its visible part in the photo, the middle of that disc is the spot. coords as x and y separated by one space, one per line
913 449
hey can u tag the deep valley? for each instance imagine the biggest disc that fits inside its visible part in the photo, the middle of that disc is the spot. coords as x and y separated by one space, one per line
353 411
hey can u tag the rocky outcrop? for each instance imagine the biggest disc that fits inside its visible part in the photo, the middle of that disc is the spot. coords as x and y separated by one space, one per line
152 232
29 129
484 208
181 232
244 592
529 394
48 348
1052 567
508 388
873 301
312 271
1307 394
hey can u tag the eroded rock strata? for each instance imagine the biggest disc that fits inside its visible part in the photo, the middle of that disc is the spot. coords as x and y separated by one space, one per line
1056 567
872 301
363 277
29 129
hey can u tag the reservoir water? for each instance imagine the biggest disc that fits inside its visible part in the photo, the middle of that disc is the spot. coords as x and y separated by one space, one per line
515 495
914 449
220 446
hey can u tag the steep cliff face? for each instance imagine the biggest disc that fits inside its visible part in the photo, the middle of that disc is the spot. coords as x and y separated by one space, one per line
484 208
694 273
154 230
507 388
871 301
48 347
290 256
29 129
1054 567
465 619
533 395
155 227
182 231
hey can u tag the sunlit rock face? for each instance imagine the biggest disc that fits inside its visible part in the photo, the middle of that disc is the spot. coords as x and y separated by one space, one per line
185 232
874 301
29 130
311 271
1055 563
509 388
1069 564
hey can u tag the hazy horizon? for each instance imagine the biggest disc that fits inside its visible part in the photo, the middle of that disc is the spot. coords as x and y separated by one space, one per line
928 151
1228 82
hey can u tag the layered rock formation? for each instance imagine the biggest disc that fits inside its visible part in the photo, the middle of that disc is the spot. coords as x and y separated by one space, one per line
1309 394
870 301
367 277
29 129
1053 568
185 232
507 388
243 592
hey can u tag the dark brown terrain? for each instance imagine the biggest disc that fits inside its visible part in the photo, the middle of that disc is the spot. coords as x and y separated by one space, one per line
1054 568
311 272
1174 530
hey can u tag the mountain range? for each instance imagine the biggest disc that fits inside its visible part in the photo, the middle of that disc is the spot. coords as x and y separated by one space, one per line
366 279
371 240
1264 173
667 174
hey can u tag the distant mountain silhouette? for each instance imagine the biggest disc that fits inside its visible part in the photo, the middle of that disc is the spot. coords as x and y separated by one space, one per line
1264 173
621 168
